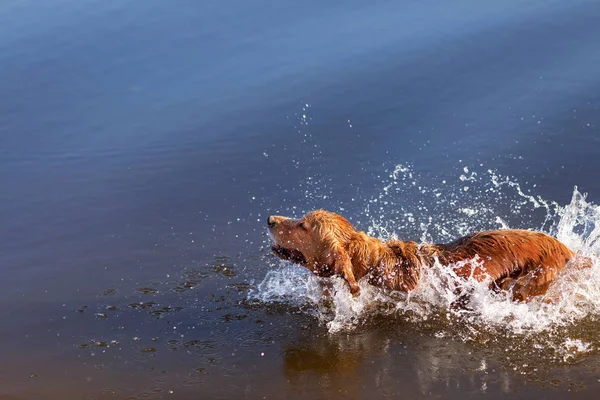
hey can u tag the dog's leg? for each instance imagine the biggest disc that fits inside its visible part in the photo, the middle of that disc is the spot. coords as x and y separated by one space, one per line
349 277
344 269
327 287
537 281
533 283
578 263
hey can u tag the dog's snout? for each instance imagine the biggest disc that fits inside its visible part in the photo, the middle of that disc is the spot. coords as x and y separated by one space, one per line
276 220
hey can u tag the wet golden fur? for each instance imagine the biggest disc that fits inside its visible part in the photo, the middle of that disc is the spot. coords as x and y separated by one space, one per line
523 262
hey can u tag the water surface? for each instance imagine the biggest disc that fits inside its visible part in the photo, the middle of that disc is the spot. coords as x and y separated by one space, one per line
143 144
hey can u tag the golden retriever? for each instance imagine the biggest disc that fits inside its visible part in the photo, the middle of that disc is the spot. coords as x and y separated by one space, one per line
520 261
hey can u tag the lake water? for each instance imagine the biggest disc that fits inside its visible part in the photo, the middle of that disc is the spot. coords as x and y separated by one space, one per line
144 143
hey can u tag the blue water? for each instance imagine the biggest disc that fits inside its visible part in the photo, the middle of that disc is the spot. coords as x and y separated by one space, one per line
141 140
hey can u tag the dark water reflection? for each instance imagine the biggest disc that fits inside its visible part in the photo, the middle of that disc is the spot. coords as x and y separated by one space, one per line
142 144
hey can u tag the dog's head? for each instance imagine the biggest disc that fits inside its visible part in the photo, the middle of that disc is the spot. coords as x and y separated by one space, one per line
318 241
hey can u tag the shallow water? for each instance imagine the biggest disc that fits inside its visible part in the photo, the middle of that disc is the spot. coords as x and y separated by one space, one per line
143 145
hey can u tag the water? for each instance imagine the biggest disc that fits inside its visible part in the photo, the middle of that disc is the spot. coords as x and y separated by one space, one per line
143 144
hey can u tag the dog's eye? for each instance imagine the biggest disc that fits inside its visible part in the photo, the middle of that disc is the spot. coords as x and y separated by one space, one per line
302 226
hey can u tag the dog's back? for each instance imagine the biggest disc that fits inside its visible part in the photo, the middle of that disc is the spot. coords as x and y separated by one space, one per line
524 261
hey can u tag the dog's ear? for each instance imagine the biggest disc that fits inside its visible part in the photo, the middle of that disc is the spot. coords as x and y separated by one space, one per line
342 266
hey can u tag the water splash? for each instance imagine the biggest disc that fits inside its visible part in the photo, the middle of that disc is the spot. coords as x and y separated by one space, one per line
442 211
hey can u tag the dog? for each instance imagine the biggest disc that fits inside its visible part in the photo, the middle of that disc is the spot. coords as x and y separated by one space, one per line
522 262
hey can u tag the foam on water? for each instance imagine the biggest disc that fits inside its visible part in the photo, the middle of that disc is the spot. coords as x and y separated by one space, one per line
441 211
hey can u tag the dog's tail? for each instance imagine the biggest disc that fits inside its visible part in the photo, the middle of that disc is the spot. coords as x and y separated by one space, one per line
579 261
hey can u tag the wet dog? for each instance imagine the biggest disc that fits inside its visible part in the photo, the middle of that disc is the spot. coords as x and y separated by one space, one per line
519 261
